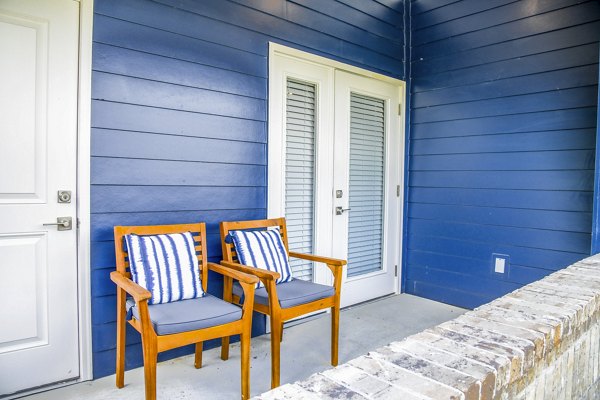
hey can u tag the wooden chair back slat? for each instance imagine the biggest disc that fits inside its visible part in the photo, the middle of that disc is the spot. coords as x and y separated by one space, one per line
198 231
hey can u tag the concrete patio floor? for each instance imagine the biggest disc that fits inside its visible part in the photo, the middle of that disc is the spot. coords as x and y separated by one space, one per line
304 351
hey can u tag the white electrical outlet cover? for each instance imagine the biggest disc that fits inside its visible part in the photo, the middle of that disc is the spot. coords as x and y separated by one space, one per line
499 265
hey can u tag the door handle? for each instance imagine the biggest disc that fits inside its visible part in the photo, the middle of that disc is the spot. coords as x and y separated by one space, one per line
62 223
340 210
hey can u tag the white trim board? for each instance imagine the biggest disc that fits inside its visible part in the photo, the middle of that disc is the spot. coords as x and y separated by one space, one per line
86 19
275 48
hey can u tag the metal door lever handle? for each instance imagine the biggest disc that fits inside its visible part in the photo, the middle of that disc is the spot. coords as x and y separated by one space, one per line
62 223
340 210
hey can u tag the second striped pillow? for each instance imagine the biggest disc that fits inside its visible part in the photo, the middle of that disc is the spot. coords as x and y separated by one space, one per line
263 249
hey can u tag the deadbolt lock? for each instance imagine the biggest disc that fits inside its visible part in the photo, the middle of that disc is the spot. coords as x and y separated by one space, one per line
64 196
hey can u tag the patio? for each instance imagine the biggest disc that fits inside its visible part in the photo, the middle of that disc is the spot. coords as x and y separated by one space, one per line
451 145
363 328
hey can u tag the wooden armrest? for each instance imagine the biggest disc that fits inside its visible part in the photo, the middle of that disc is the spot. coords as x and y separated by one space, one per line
311 257
233 273
263 274
136 291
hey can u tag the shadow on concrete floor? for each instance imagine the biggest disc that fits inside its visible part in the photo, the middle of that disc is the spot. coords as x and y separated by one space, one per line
304 351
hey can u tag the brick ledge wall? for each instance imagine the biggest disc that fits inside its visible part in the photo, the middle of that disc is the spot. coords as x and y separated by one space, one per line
539 342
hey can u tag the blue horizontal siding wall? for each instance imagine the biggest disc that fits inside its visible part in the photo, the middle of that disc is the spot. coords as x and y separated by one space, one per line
179 108
503 98
596 210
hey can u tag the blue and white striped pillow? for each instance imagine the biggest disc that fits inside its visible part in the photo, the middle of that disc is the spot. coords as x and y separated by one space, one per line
166 265
263 249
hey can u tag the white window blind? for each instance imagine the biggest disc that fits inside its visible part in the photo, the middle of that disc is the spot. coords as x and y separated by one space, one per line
300 172
367 162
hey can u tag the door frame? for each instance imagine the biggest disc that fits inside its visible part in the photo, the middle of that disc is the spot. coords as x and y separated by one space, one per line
274 168
84 106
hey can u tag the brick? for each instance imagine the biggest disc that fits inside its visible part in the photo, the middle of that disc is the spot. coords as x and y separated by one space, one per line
595 351
567 289
570 372
501 364
586 302
572 279
587 363
553 381
327 389
468 385
530 393
524 347
588 271
551 332
484 374
553 303
537 338
555 320
515 357
561 369
566 317
365 384
288 392
539 388
398 376
577 377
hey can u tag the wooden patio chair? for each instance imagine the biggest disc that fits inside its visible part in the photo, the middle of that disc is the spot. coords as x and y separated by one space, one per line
175 324
283 301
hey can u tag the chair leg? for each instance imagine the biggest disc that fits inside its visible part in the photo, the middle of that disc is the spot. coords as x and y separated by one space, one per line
198 356
120 368
228 297
276 325
335 334
225 348
150 355
245 356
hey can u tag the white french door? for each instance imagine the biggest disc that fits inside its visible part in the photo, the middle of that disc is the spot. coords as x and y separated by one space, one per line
334 166
366 174
39 338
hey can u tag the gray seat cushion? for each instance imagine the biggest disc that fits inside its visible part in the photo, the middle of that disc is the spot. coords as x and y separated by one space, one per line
290 293
189 315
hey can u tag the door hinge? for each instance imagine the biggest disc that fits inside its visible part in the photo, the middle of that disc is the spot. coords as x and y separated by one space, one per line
396 271
397 190
400 109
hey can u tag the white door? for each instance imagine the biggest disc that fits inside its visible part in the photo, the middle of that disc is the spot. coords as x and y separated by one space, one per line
366 221
335 141
38 136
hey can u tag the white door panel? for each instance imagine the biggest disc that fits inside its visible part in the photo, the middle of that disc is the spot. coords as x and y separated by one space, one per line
300 132
38 136
366 170
23 104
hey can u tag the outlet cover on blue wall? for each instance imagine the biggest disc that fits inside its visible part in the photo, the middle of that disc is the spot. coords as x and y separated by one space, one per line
500 265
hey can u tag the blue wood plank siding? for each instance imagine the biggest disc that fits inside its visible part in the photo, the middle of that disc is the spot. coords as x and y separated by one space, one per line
596 209
503 98
179 107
